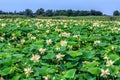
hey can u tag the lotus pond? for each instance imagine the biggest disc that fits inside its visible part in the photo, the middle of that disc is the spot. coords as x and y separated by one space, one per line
46 49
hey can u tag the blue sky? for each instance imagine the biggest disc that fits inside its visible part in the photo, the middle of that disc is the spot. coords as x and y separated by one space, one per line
106 6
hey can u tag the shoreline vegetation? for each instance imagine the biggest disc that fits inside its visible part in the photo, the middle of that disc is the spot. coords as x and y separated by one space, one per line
99 18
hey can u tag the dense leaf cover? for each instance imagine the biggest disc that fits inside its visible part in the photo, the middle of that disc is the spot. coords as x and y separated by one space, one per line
38 49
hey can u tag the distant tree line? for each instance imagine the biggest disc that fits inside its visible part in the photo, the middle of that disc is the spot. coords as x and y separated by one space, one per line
50 12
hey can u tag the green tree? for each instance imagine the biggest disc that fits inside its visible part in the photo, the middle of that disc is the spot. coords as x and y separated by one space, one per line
96 13
28 12
84 13
76 13
1 12
40 11
116 13
49 13
60 13
69 12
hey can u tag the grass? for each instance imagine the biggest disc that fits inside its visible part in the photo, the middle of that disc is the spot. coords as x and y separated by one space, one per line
93 18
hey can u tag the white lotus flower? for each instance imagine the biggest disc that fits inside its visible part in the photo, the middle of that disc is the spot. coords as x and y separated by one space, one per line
63 43
76 36
2 38
112 47
28 71
47 31
96 24
64 34
49 41
42 51
35 58
29 35
109 63
106 56
97 42
33 37
46 77
22 41
3 24
104 73
57 29
1 78
59 56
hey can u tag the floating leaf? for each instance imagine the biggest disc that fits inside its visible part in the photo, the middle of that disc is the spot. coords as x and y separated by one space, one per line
70 73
